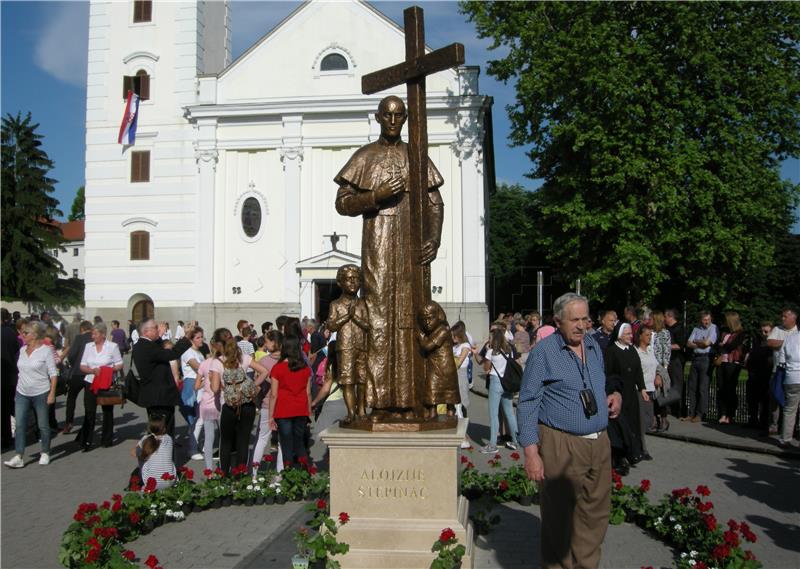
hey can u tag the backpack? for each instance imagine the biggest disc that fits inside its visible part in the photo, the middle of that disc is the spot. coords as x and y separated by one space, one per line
237 389
511 380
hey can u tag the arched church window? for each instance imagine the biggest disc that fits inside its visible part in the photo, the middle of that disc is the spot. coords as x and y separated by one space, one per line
333 62
251 217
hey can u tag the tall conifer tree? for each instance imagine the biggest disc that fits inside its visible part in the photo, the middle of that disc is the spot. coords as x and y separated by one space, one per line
29 272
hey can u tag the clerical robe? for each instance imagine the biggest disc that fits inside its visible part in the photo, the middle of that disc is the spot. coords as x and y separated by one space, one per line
386 265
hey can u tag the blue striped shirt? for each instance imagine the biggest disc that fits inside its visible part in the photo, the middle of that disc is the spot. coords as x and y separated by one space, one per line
551 386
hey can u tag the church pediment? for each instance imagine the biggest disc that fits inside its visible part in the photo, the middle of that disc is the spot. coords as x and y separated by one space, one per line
328 260
338 47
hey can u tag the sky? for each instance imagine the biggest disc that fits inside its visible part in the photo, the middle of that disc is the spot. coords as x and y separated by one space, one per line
43 70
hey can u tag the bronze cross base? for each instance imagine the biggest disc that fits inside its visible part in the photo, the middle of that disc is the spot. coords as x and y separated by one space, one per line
402 425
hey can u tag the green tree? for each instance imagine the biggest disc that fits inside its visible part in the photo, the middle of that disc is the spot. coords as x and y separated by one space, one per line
29 272
658 129
78 204
511 228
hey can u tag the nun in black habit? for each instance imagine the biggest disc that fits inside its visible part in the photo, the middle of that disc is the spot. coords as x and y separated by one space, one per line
624 367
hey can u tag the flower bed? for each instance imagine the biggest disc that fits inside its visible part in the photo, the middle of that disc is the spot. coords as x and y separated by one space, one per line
97 534
682 519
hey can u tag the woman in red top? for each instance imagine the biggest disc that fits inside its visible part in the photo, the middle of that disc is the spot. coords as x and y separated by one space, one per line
290 400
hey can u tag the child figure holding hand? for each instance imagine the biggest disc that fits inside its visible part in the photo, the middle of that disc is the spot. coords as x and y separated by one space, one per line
436 341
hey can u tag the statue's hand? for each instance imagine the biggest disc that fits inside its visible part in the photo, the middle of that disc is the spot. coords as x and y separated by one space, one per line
389 189
428 254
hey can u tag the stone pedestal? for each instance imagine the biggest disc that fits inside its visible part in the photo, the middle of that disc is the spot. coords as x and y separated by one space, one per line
400 490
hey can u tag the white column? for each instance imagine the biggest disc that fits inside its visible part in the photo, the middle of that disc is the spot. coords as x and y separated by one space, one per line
473 208
204 280
292 158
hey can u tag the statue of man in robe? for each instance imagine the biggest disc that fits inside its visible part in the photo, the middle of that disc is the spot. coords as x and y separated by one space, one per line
374 184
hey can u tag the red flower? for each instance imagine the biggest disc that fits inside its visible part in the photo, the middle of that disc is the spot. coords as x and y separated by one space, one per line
703 490
699 565
106 505
135 483
92 556
344 517
618 485
151 485
497 456
704 506
749 555
93 543
134 517
116 506
189 474
503 485
151 562
645 486
721 552
218 471
303 460
749 536
731 538
515 456
464 459
129 555
208 473
116 497
93 520
446 535
733 525
312 470
711 521
268 458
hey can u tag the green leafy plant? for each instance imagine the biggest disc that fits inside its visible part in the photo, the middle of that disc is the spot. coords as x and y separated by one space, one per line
319 543
449 551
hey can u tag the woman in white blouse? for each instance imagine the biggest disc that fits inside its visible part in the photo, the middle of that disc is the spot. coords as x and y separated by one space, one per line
36 388
101 352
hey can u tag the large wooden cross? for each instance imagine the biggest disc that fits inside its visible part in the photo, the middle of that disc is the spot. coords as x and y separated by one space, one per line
412 72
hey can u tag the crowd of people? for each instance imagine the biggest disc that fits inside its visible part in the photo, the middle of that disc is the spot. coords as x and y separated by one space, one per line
236 388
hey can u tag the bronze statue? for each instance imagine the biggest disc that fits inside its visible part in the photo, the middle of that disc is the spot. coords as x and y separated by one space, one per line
374 184
436 341
348 318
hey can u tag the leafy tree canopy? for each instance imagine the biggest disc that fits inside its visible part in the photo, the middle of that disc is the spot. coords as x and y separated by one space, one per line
78 206
29 272
658 129
511 228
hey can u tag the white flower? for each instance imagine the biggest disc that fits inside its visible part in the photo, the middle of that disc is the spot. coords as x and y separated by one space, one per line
169 512
257 488
678 527
261 479
180 502
249 486
672 518
693 554
683 555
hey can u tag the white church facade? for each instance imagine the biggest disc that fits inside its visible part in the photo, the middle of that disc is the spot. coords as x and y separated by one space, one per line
224 207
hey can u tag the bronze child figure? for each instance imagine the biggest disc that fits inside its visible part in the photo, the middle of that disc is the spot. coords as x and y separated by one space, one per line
348 318
436 341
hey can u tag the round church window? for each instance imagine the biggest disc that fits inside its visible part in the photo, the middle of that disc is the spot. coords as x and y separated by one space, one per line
333 62
251 217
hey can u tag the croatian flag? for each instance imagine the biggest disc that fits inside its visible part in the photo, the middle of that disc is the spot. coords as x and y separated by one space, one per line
127 130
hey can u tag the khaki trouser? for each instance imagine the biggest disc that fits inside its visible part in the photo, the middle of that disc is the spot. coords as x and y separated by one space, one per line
575 498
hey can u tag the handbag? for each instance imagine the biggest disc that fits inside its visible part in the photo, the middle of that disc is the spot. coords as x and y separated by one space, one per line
776 385
113 396
511 380
62 383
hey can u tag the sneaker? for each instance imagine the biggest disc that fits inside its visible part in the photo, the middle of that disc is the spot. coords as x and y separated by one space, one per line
465 444
197 456
489 449
15 462
44 460
511 446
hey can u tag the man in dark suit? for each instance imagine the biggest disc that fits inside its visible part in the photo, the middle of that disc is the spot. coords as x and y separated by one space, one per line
157 389
8 380
76 378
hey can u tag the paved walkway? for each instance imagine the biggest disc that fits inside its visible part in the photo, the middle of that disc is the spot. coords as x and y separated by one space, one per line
38 502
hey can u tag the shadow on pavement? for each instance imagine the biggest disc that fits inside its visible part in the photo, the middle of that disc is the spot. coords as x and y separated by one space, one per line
785 536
